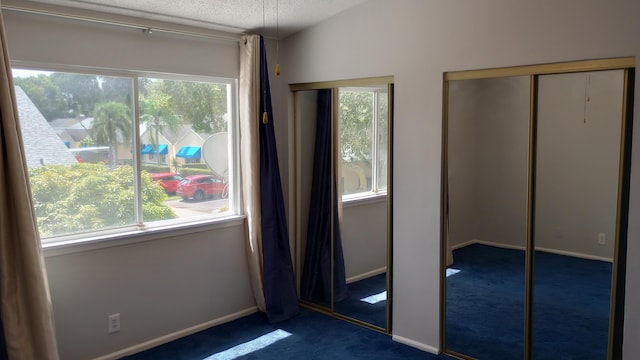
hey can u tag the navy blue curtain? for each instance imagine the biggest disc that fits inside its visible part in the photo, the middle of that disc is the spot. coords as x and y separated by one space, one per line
280 295
316 274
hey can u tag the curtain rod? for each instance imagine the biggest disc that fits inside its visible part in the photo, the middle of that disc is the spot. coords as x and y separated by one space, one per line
143 28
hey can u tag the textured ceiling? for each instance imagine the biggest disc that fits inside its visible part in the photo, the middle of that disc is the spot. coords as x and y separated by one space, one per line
272 18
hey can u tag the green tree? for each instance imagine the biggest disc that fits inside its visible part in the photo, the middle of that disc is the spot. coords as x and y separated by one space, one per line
85 197
203 105
356 121
45 95
81 92
157 113
111 123
88 141
116 89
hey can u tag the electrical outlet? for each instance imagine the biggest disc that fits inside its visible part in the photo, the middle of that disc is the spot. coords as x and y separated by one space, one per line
114 323
602 238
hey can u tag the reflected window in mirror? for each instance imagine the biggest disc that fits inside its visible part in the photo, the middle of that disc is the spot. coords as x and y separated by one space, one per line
363 113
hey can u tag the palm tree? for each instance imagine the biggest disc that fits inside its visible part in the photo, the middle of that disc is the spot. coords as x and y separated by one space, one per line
111 122
157 113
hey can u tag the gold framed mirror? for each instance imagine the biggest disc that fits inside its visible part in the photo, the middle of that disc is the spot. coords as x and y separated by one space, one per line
343 151
534 204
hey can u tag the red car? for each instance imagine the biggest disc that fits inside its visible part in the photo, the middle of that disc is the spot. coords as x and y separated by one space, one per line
168 181
200 187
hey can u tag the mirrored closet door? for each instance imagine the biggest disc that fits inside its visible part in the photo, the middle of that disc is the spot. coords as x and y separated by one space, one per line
343 198
578 152
535 184
488 136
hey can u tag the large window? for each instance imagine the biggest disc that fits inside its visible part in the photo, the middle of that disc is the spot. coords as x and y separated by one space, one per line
115 153
364 114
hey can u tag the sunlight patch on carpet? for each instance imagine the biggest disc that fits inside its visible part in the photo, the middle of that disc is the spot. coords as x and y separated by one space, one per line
250 346
451 271
376 298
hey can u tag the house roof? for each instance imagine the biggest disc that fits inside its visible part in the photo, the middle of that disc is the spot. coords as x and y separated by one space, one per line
41 143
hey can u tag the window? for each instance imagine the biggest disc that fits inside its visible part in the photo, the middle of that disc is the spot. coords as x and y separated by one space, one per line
364 114
81 134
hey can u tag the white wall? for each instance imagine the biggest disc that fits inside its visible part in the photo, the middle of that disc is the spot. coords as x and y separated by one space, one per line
364 238
488 160
159 287
172 281
578 153
416 41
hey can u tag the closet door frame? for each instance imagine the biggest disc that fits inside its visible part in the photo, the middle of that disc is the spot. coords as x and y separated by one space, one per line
616 314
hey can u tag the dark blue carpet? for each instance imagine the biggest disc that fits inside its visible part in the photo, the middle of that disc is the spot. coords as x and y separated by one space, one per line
485 305
571 307
310 335
354 307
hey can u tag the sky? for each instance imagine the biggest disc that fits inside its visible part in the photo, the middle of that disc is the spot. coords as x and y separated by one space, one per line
28 73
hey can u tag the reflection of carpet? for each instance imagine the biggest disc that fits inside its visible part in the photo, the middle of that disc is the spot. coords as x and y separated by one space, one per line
354 307
485 305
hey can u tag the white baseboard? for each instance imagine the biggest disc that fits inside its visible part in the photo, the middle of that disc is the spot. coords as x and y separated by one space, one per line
176 335
466 243
500 245
367 274
574 254
549 250
418 345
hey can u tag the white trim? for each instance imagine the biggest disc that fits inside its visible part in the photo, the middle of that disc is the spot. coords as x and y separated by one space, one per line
360 199
418 345
135 236
500 245
368 274
466 243
575 254
176 335
547 250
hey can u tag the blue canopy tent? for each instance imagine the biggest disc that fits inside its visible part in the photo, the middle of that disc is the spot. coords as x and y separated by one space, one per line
189 152
163 149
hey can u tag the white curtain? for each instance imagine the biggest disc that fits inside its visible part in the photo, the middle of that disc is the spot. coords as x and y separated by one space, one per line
249 103
27 316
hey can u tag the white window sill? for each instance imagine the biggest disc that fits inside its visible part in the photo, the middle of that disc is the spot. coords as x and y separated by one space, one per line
363 199
93 242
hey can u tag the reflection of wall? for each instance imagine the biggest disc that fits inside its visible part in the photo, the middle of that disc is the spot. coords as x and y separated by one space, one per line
576 184
364 238
578 157
488 156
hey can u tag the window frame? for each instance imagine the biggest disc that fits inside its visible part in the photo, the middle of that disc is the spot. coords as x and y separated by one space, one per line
136 231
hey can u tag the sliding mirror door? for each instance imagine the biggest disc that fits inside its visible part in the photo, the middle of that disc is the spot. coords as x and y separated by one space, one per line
487 148
578 152
343 161
363 116
535 209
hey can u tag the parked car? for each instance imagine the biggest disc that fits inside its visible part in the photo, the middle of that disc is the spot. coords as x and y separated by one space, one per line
168 181
200 187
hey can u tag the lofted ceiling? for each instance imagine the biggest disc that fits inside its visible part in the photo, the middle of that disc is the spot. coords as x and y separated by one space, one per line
271 18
